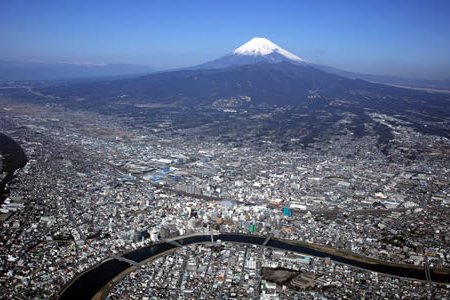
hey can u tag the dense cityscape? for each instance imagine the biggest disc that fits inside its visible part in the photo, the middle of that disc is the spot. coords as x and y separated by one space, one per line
95 187
224 150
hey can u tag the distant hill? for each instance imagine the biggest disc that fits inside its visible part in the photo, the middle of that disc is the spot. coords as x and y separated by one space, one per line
17 71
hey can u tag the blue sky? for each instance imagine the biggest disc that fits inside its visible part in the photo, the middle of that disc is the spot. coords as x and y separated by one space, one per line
408 38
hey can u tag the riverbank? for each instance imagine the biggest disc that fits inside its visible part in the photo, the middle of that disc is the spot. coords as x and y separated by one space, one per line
13 157
97 280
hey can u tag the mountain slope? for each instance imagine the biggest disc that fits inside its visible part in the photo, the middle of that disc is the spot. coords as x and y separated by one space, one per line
254 51
263 47
259 71
262 50
309 102
265 83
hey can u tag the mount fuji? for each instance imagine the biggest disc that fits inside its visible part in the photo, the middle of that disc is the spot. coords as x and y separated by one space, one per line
262 50
256 75
256 50
258 92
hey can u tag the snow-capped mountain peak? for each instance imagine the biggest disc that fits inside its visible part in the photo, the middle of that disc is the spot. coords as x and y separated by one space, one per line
261 47
257 50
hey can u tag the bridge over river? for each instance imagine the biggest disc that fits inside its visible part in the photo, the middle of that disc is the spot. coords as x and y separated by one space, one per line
97 280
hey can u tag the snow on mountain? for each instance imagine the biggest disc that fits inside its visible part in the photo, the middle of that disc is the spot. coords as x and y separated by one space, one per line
257 50
258 46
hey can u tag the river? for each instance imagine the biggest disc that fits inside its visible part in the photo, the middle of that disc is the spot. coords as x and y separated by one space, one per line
89 283
13 158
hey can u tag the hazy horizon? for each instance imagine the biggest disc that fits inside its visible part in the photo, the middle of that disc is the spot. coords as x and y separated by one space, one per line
403 38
